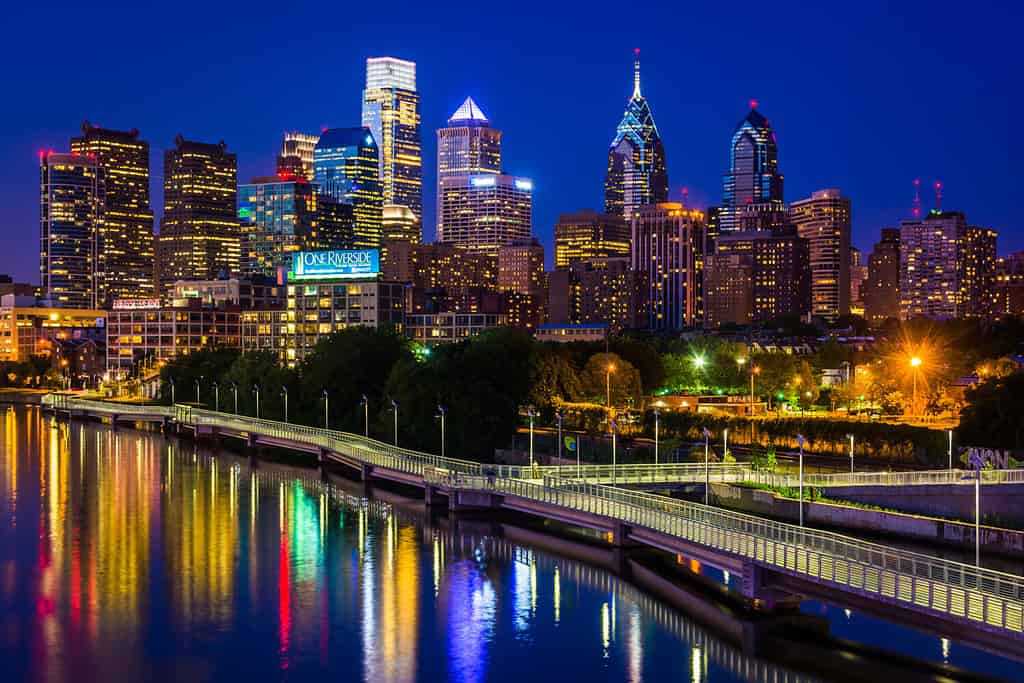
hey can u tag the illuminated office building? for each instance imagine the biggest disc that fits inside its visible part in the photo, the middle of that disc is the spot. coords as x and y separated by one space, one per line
124 265
929 265
400 223
468 145
588 234
484 212
391 110
71 209
296 156
604 291
438 266
823 220
976 270
521 267
345 167
858 278
753 176
1008 286
668 246
882 289
279 216
449 326
200 236
636 174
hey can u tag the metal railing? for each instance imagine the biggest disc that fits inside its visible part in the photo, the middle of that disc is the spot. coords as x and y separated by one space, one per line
923 478
68 402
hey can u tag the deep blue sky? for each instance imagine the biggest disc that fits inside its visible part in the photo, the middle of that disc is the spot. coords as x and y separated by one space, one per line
863 96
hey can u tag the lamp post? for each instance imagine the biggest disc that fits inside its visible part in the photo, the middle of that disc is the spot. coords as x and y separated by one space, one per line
800 442
608 385
366 416
173 401
394 408
615 432
284 392
558 418
657 414
915 363
441 412
707 464
198 382
850 437
531 413
234 388
327 413
256 389
977 518
950 451
725 443
216 396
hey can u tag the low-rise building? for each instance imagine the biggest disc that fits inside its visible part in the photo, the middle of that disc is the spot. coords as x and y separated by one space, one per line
447 327
572 332
27 329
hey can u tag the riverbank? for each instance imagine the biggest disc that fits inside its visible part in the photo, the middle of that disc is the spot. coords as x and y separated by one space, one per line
32 397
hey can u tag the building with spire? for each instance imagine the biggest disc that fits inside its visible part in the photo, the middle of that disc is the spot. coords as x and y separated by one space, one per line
468 145
391 110
753 176
636 173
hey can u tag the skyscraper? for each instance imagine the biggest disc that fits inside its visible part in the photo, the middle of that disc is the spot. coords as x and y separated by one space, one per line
124 265
882 289
976 270
391 110
668 245
400 223
484 212
823 220
199 232
521 267
588 234
753 176
345 166
296 155
71 209
636 173
278 216
858 278
929 274
468 145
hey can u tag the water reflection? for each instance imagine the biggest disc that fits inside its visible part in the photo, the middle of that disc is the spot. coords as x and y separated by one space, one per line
125 555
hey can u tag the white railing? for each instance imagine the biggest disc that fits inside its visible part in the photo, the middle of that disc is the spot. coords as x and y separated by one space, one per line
922 478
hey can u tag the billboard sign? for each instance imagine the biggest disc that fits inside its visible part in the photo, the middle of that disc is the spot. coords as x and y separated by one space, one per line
337 264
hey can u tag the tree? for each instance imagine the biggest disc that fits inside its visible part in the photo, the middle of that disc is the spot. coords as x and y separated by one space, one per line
623 380
994 414
553 377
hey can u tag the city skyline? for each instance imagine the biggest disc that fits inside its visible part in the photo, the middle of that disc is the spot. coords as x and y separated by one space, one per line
875 150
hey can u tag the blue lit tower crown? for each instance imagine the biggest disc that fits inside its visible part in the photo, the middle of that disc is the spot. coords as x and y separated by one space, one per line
636 159
753 176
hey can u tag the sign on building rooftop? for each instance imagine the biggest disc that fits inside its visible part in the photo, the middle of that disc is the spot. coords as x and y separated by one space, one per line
337 264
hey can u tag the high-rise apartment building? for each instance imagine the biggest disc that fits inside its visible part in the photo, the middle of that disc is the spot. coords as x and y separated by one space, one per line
668 246
882 289
588 234
858 278
296 156
521 267
484 212
345 167
124 265
929 265
598 291
1008 286
199 233
976 270
71 197
753 176
279 216
391 110
636 174
823 220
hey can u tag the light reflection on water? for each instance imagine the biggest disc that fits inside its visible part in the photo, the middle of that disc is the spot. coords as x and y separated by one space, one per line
128 556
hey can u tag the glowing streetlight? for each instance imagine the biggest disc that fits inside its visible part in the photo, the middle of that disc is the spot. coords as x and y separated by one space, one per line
699 361
441 412
256 389
366 416
915 363
657 414
327 412
608 385
394 409
284 392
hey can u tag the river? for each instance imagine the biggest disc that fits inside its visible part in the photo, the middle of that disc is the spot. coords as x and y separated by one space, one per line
127 555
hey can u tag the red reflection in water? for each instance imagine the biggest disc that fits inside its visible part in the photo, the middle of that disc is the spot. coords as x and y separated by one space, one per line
284 597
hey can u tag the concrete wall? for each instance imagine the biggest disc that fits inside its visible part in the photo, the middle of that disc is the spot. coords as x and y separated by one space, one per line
898 525
1001 504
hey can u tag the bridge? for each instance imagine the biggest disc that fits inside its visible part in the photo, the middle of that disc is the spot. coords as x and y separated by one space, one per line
983 607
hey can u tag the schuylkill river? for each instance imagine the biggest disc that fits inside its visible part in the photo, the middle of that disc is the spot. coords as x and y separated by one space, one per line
125 555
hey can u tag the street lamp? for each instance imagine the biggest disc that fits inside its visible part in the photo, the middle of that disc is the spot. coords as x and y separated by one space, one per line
173 401
256 388
725 443
326 410
284 392
558 418
657 414
394 408
800 442
915 363
234 388
216 396
198 382
950 452
608 385
615 431
366 416
707 464
441 412
850 437
532 414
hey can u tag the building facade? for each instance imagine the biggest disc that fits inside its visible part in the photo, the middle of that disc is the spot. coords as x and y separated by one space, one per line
929 265
279 216
391 110
1008 286
28 329
882 289
484 212
400 223
588 234
124 265
468 145
449 326
346 168
71 191
296 157
976 270
636 175
823 220
858 280
200 236
728 289
668 247
521 267
753 176
599 290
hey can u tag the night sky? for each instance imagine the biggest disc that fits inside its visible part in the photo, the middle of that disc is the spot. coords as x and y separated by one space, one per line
863 96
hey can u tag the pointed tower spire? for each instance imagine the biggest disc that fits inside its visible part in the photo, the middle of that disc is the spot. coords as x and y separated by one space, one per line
636 73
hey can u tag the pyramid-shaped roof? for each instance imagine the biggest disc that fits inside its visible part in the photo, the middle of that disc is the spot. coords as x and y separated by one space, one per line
468 111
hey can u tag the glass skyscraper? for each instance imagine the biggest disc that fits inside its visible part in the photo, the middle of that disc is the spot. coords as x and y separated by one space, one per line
278 217
753 176
468 145
71 209
391 110
199 232
636 160
345 166
297 154
124 267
